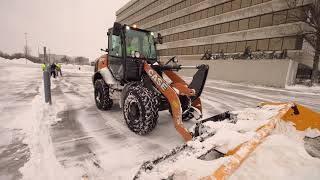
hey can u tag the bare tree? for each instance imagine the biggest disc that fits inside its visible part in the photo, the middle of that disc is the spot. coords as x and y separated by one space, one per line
309 13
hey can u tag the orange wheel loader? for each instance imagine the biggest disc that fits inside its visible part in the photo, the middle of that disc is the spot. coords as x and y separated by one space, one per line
132 73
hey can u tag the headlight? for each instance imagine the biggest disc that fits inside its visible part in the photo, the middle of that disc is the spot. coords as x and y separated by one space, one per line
132 54
137 54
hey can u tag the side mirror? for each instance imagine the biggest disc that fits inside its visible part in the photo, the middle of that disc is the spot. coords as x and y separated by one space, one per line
117 28
104 50
159 39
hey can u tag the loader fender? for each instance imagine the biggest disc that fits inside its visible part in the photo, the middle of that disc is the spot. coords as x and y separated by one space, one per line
106 75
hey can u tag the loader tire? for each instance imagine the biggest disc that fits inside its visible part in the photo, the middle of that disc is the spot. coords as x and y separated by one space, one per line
101 95
140 109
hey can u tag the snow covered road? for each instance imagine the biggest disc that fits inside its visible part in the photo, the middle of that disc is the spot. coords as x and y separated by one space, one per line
97 142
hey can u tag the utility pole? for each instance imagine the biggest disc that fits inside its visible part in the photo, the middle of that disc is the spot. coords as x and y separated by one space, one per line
26 47
49 56
45 54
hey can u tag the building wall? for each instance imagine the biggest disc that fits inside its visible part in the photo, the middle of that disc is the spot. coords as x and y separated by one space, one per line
275 73
191 27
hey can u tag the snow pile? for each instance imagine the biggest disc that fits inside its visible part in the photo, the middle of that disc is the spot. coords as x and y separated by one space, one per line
16 61
281 156
43 163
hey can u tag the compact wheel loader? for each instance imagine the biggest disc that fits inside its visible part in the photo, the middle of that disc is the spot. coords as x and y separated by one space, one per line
132 73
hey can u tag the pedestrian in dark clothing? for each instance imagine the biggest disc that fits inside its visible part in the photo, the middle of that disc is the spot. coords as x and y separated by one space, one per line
53 70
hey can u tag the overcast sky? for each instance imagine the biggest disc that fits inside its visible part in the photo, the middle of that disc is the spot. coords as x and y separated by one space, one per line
71 27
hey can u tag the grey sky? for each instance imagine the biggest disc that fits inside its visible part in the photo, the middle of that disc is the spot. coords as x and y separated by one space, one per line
71 27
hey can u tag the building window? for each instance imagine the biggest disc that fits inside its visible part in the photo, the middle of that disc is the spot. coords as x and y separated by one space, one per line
279 17
243 24
190 34
294 15
198 15
201 49
204 14
203 31
211 11
195 49
219 9
208 48
254 2
252 44
254 22
196 33
225 28
263 44
185 35
209 30
289 43
241 46
187 19
266 20
181 36
275 44
234 26
215 48
217 29
236 4
231 47
223 47
226 7
245 3
189 50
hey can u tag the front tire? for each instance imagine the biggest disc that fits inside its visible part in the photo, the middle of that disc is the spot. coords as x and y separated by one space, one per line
140 109
102 96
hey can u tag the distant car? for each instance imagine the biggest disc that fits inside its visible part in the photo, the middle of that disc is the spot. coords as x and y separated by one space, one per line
92 63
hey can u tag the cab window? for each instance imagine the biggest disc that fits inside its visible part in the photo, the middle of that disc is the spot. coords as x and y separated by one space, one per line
116 46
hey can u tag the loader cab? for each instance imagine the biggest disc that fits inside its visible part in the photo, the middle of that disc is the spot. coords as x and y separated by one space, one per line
127 47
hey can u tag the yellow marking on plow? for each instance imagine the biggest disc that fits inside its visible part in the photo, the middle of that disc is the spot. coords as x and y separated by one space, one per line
302 118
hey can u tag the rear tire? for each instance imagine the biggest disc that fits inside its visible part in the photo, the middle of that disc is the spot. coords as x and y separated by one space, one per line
101 95
140 109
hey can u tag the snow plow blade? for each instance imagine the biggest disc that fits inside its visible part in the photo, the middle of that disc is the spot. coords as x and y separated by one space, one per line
299 116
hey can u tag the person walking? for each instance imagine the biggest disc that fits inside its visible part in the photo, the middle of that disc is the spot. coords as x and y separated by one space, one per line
43 66
59 69
53 70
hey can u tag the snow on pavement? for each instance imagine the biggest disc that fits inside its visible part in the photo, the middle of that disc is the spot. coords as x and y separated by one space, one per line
82 140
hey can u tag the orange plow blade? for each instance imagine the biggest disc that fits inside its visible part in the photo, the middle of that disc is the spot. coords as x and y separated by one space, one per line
208 149
301 117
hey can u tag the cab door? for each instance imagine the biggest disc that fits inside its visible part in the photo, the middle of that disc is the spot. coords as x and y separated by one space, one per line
115 56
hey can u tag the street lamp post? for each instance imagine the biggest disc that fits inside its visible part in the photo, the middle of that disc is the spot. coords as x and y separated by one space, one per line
26 47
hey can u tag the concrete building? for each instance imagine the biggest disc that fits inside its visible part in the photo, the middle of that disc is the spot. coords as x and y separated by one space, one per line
191 27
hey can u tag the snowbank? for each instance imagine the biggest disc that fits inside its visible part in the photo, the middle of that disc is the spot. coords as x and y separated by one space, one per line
16 61
43 163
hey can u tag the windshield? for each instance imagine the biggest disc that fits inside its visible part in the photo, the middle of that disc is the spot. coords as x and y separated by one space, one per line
142 42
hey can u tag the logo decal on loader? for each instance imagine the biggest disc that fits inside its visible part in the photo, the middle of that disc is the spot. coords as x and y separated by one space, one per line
157 79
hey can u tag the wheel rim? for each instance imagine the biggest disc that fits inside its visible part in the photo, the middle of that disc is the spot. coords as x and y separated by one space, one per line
133 111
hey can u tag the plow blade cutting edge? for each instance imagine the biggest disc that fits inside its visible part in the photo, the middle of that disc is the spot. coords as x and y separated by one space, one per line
301 117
